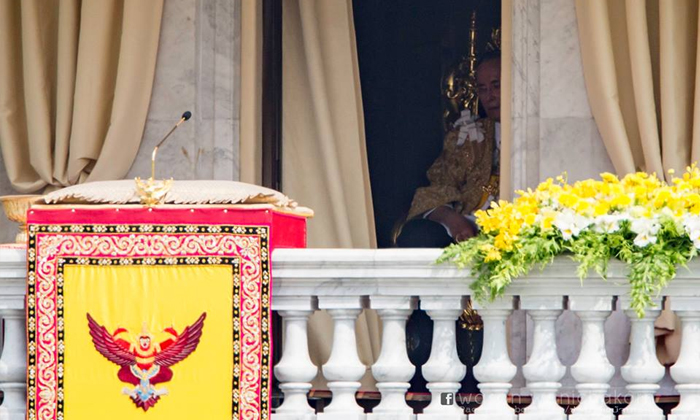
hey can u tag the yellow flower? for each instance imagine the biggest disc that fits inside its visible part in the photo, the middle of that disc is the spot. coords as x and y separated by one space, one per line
547 222
692 202
601 208
487 223
662 197
514 226
641 194
492 253
586 189
568 199
609 178
583 207
530 219
504 241
621 201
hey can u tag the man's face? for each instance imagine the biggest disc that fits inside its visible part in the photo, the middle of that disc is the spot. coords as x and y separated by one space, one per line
488 87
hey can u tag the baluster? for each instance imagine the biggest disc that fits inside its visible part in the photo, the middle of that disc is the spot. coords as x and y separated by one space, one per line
592 370
393 370
13 363
642 370
544 370
343 370
443 370
295 371
495 369
686 371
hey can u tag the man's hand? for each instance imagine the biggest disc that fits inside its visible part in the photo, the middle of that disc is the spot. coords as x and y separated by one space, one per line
459 227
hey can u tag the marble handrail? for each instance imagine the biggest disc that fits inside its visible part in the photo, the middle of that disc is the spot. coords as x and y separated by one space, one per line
393 281
13 362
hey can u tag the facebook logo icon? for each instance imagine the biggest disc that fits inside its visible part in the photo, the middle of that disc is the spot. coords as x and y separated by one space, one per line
447 398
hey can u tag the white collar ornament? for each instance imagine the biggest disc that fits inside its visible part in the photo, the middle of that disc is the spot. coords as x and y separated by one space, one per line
470 128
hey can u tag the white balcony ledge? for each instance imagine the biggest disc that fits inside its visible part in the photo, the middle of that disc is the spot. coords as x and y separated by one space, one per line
396 272
394 281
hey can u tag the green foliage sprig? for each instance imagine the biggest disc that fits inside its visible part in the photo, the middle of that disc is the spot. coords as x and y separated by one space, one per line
651 226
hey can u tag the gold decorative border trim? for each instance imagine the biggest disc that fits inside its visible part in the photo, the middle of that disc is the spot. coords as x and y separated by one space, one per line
51 247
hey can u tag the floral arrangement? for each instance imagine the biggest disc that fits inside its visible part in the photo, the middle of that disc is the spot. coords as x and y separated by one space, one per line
650 225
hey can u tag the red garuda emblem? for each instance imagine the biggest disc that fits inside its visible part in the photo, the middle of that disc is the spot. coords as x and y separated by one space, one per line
145 363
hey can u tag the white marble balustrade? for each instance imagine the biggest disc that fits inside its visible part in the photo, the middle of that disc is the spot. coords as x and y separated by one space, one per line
394 281
13 361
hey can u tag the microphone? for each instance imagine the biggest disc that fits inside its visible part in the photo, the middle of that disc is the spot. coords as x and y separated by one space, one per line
185 116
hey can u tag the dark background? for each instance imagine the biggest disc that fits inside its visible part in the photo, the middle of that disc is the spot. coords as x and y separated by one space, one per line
404 46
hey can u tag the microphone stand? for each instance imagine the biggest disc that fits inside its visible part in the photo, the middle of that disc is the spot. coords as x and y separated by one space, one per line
152 192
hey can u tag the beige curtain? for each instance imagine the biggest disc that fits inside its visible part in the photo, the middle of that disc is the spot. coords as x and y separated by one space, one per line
640 65
324 158
75 85
506 189
640 61
251 92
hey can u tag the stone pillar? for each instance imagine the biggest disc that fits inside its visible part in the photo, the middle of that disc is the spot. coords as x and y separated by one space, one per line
544 370
642 370
686 371
443 370
295 371
495 369
393 370
592 370
13 363
344 369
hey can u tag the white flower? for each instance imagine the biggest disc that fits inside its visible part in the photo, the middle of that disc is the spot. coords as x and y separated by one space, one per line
625 215
570 224
637 212
667 212
691 224
646 230
644 239
645 225
608 223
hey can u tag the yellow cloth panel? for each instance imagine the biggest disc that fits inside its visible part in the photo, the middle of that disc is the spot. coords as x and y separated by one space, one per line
160 296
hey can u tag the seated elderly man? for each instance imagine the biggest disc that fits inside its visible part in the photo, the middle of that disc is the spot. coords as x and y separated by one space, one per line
464 178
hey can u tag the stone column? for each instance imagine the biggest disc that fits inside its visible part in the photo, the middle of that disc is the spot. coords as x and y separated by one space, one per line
686 371
495 369
642 370
592 370
544 370
295 371
13 363
393 370
344 369
443 370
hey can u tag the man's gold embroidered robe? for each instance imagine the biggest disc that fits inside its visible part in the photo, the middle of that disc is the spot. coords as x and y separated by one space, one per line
461 176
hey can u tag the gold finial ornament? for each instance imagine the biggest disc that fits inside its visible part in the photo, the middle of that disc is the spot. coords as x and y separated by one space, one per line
470 319
495 43
459 82
16 207
152 191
